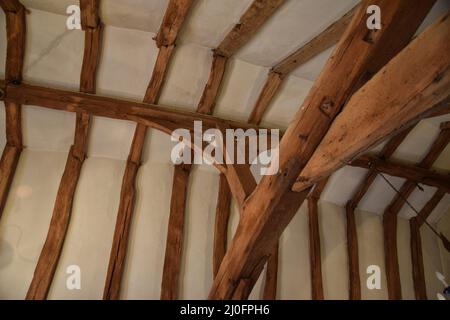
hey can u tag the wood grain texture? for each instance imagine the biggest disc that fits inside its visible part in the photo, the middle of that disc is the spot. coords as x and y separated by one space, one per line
314 241
262 222
221 223
250 22
8 164
158 74
353 254
325 40
398 169
51 251
175 234
266 95
90 16
390 217
62 210
418 272
175 14
15 51
159 117
209 95
271 281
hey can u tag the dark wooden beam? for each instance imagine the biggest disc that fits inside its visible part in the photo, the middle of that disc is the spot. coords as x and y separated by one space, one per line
249 23
90 16
15 50
159 117
262 220
418 272
271 281
175 15
352 235
398 169
59 224
128 191
221 223
175 233
391 212
314 241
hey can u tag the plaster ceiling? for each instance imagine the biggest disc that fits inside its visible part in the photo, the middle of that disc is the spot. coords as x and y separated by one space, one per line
54 56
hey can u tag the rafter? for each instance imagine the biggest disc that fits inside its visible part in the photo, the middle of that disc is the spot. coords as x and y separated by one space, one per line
352 236
262 223
391 212
59 224
252 19
128 191
175 233
314 241
15 32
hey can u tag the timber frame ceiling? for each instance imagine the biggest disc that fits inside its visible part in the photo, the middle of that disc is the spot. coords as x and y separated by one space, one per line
376 85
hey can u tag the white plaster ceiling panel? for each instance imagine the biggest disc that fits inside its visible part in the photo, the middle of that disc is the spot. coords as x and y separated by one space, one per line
110 138
443 208
417 199
311 69
135 14
47 129
53 54
342 185
236 96
211 20
286 102
186 78
126 63
158 147
291 26
380 194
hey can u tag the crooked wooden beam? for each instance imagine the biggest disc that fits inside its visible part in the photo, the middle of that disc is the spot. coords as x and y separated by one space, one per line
175 233
391 212
271 281
397 169
252 19
221 223
59 224
155 116
15 32
314 241
415 223
174 17
261 221
128 192
352 235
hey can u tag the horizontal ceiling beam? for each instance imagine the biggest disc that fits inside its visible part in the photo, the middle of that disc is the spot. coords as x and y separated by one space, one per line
162 118
409 172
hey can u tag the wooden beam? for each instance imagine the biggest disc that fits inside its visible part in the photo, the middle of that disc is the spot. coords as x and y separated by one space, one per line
262 222
253 18
13 6
174 17
352 235
159 117
314 241
90 16
15 33
209 95
352 253
249 23
269 90
418 272
429 207
241 181
128 191
175 233
390 217
325 40
62 210
221 223
271 281
398 169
